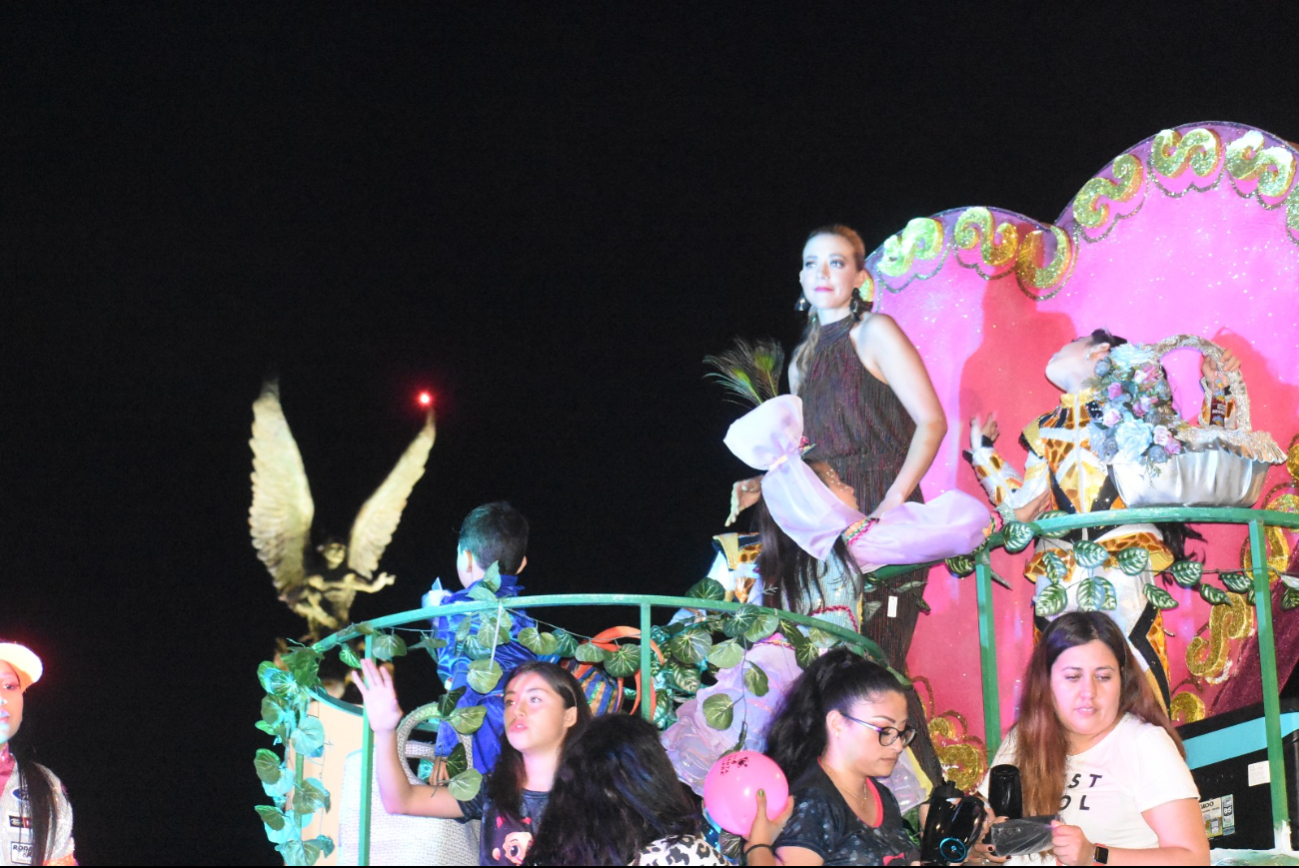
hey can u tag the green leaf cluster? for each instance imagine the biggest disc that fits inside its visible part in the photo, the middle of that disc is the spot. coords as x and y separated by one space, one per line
1187 573
1017 536
1158 597
1051 600
1095 594
285 717
1236 582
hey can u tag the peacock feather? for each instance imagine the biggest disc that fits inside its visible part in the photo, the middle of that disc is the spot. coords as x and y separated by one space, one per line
750 371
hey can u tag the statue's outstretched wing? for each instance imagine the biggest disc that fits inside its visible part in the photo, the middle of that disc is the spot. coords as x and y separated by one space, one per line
282 508
377 520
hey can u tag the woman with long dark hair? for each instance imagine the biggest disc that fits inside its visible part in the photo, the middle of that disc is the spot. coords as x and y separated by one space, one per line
1093 744
842 728
38 827
544 706
617 801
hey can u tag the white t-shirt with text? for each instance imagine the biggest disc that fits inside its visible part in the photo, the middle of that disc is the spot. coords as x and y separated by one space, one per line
1107 787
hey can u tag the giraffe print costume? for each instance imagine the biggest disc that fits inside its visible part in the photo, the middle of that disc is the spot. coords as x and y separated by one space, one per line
1060 460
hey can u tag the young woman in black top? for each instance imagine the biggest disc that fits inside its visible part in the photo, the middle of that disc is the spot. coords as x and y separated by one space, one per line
843 725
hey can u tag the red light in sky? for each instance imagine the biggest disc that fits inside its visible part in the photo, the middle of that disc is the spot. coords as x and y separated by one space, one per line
426 399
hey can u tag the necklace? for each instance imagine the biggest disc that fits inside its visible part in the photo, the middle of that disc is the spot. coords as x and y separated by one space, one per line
862 797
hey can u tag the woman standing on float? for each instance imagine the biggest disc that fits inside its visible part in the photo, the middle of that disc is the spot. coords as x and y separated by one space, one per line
870 412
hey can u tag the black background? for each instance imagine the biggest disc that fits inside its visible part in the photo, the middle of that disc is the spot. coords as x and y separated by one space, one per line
545 214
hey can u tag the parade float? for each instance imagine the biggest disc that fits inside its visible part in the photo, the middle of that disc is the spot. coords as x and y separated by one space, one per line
1185 243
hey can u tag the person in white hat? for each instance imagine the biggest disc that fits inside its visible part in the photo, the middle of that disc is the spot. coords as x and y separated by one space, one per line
35 816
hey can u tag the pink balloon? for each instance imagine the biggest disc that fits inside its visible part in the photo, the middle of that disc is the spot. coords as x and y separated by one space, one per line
731 790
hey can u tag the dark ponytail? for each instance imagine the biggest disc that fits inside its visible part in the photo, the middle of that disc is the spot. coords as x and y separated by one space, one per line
832 682
40 802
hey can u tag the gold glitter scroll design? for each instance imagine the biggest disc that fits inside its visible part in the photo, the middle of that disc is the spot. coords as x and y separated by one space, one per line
919 250
868 290
1210 658
1091 212
1172 153
1039 279
1186 707
997 243
964 757
1273 168
1283 497
1292 214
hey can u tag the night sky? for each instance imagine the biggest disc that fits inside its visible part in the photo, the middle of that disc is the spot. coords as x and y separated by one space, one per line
546 215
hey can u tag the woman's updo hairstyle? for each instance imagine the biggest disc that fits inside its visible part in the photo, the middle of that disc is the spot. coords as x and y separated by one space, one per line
860 306
833 682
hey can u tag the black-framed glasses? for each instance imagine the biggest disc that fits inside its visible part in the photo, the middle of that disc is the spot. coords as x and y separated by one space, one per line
888 734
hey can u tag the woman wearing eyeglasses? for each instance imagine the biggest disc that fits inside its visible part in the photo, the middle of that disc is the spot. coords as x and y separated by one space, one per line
842 728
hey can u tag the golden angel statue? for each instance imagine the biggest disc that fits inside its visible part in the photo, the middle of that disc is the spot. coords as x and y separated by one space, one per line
321 583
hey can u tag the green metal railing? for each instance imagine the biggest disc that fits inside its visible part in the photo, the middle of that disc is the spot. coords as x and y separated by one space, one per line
1256 520
645 603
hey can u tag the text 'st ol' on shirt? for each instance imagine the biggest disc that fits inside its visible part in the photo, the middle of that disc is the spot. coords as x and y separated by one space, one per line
1107 787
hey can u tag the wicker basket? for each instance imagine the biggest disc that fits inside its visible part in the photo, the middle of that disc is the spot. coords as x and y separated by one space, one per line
398 839
1219 466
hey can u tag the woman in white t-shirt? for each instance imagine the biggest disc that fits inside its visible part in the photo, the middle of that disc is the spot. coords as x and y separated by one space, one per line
1093 744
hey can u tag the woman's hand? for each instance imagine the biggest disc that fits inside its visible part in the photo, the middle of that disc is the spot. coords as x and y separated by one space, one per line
980 429
891 501
744 494
1214 372
380 697
1035 507
1070 844
766 830
984 854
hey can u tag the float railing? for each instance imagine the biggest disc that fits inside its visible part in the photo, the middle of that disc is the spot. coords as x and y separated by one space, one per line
644 603
1255 519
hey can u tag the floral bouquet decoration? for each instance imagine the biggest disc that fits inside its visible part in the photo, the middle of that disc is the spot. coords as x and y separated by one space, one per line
1137 422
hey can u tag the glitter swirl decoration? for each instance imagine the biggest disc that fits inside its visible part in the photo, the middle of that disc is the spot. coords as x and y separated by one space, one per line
868 291
1038 277
1192 157
1186 707
1283 497
1094 215
917 251
1256 170
1172 153
1192 230
964 757
1292 213
1210 659
996 243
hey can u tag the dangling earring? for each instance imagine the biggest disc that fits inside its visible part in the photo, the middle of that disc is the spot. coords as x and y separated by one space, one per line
802 305
858 305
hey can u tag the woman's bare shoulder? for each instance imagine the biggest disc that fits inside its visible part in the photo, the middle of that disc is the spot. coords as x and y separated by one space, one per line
879 330
880 323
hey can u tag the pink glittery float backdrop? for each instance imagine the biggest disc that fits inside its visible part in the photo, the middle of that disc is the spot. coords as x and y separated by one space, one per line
1194 231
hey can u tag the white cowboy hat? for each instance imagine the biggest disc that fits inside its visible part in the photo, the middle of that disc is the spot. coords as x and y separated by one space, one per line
25 663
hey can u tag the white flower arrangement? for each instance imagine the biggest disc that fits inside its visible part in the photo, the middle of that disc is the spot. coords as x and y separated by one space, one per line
1137 422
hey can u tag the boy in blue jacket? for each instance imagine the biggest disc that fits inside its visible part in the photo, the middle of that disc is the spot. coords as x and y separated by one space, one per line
494 533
